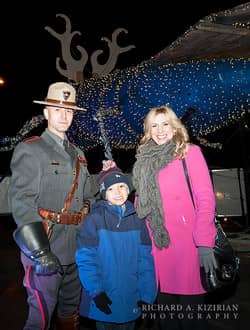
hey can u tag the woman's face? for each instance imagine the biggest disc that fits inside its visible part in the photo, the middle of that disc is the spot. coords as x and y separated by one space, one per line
161 130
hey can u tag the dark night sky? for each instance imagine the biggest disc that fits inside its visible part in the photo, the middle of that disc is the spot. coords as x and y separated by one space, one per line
28 51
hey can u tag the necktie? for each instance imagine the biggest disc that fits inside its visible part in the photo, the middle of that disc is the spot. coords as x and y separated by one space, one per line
69 149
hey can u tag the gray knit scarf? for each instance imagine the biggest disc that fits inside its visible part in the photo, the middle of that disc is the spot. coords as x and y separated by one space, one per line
150 160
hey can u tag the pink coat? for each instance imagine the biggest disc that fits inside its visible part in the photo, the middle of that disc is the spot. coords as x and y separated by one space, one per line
177 267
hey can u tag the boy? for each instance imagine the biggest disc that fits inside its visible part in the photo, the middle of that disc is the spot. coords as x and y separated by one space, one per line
114 257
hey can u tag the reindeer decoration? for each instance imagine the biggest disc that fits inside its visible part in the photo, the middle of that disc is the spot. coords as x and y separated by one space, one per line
75 68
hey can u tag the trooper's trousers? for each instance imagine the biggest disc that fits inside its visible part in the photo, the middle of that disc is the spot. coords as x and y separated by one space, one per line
50 293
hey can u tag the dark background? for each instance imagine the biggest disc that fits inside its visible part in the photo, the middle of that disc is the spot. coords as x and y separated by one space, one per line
28 54
27 62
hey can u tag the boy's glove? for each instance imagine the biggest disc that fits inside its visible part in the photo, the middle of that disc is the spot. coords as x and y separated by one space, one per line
102 302
207 258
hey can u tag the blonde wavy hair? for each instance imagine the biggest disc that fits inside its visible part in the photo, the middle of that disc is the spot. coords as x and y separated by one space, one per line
180 137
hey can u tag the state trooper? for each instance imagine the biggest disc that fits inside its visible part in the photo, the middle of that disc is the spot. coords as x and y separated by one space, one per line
51 191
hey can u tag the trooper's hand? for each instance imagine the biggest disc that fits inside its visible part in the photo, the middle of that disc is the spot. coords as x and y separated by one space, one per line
46 263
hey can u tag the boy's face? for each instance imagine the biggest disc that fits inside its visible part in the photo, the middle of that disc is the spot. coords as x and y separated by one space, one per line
117 194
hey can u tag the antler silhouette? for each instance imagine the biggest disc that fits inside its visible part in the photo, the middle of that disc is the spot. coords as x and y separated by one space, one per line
100 70
74 68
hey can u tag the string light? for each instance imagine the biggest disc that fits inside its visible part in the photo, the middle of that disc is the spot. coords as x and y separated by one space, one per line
218 90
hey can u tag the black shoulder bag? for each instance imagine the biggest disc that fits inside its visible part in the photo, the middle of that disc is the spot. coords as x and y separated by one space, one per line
227 261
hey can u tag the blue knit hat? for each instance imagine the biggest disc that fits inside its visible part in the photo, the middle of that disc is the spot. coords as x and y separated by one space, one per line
105 179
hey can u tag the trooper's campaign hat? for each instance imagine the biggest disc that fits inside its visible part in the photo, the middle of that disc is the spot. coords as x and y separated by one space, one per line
61 95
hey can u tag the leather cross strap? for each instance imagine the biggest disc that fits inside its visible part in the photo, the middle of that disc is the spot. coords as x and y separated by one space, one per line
64 217
73 188
68 218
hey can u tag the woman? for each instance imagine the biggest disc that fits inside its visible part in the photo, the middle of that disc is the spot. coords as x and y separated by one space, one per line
183 236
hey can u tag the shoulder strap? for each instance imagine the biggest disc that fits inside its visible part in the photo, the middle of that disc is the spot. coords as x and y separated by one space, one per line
184 163
73 187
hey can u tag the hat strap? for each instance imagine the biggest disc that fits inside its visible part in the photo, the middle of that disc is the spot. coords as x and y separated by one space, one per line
60 102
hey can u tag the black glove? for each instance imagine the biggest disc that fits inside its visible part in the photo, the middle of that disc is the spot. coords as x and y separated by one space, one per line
46 263
207 259
33 241
102 302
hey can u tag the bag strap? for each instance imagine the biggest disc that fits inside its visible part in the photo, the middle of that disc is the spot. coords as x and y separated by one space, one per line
73 187
184 163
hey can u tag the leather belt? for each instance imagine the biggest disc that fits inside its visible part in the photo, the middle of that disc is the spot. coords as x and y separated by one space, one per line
61 218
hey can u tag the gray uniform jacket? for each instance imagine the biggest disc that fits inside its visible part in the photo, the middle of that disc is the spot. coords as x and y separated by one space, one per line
42 177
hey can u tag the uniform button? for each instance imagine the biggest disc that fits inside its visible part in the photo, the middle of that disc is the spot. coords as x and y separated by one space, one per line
56 172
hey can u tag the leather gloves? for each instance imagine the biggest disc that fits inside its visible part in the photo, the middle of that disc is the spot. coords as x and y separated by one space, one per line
33 242
102 302
46 263
207 258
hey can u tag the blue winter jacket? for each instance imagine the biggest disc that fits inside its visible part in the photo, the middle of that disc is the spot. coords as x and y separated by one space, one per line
114 255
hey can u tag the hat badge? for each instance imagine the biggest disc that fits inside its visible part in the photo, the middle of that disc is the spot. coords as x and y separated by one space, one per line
66 95
62 95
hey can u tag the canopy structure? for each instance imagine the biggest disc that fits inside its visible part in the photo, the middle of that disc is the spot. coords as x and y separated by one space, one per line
205 71
204 75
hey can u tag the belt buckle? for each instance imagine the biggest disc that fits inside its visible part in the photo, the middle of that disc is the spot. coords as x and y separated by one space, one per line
75 219
58 217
